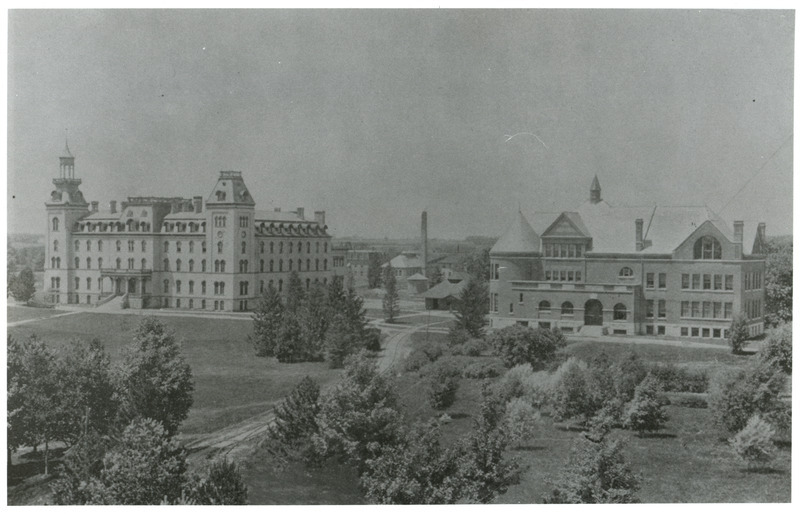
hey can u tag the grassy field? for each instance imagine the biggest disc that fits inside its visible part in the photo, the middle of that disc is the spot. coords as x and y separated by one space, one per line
231 384
20 313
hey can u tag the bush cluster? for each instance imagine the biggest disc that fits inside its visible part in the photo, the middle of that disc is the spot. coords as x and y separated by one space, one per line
680 379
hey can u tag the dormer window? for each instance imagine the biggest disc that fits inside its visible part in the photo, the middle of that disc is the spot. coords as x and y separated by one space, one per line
707 248
220 196
625 272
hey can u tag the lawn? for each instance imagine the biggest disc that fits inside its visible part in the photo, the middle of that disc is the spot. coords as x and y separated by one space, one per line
19 313
231 384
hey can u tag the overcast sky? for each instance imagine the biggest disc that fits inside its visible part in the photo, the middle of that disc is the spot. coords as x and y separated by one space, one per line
374 116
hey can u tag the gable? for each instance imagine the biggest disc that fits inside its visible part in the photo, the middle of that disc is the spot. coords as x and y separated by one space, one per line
567 226
686 249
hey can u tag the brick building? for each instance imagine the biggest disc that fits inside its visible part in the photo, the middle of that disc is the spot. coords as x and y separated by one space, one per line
675 271
185 253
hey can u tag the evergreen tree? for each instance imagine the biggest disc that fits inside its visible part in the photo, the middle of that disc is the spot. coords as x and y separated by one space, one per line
472 308
296 418
23 286
154 380
341 340
267 322
291 345
222 484
391 297
738 333
646 412
315 314
295 294
374 271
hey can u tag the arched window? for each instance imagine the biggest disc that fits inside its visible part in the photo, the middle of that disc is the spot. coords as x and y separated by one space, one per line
144 263
707 248
261 266
100 246
280 265
626 272
178 265
271 265
55 246
325 264
166 264
88 283
219 247
280 285
308 247
88 246
262 246
308 284
317 246
177 286
567 309
191 286
244 246
299 264
58 262
119 263
178 247
119 245
316 265
326 247
77 263
291 263
620 312
271 247
191 246
166 246
280 247
222 266
191 265
203 247
203 265
100 263
77 245
299 247
544 305
77 283
55 224
166 286
88 263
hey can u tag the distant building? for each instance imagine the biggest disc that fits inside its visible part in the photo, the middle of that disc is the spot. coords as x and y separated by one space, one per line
676 271
446 295
178 252
357 262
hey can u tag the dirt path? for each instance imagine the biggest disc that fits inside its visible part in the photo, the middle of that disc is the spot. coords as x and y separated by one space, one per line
46 318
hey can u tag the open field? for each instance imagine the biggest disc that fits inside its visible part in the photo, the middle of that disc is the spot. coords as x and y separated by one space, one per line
231 384
19 313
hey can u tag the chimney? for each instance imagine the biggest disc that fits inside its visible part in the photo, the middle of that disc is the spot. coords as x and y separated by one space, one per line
95 205
112 205
738 238
424 236
175 207
198 204
762 229
300 213
639 234
319 217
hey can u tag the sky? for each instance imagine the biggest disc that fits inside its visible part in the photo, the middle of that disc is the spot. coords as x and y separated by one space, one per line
374 116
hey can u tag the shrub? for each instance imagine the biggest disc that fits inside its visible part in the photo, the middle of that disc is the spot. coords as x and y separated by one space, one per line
372 339
520 420
518 344
735 397
416 360
683 380
458 336
629 373
482 370
778 348
572 395
295 419
753 444
442 387
690 400
221 485
646 412
738 335
597 472
433 351
474 347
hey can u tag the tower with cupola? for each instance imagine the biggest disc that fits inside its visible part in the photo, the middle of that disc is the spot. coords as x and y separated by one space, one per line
65 207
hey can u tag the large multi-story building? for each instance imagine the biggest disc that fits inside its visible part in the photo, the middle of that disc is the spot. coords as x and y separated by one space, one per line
674 271
179 252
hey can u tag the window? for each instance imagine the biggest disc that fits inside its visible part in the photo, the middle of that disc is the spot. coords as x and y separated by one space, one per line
243 221
521 297
166 246
662 280
261 266
706 309
685 309
55 224
685 281
131 246
728 306
717 282
77 245
191 246
291 247
299 264
178 247
166 264
649 310
291 263
662 308
191 286
166 286
695 332
77 262
706 281
325 262
695 281
244 247
88 263
649 330
544 305
685 331
495 271
55 246
662 330
222 266
626 272
717 310
325 247
178 286
280 265
567 309
316 266
717 333
548 275
77 283
577 276
706 332
707 248
203 287
88 246
620 312
178 265
650 281
219 247
280 285
308 247
511 308
131 263
144 246
695 309
144 263
99 263
272 247
203 247
729 282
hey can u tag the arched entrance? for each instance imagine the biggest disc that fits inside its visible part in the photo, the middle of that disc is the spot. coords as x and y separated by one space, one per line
593 313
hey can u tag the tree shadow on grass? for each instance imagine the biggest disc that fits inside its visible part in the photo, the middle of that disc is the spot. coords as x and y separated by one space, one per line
765 470
571 428
784 445
529 448
459 415
656 435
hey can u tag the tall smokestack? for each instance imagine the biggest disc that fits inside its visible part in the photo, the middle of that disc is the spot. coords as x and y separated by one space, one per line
424 243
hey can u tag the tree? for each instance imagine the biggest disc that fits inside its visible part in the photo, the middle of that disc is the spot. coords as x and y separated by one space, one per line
778 282
296 417
520 345
154 380
572 392
628 374
778 348
267 319
341 341
520 420
374 271
597 472
78 482
88 399
472 308
35 398
737 339
358 417
146 467
222 484
753 443
23 286
391 297
291 345
646 412
295 294
476 264
436 276
442 387
735 397
315 315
